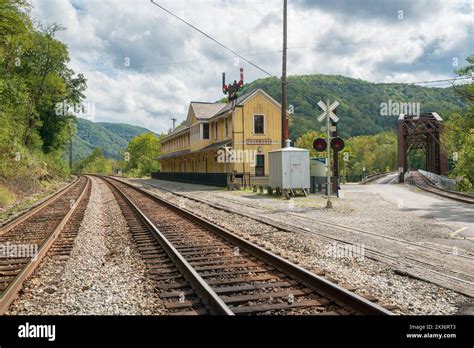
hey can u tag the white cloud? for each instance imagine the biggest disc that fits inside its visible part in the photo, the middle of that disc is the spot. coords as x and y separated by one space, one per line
172 64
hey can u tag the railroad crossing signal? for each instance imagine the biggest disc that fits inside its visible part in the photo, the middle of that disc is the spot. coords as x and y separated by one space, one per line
329 115
337 144
328 111
320 144
331 128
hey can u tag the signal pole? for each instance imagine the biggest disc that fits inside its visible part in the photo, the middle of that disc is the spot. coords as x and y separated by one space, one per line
70 154
284 121
328 160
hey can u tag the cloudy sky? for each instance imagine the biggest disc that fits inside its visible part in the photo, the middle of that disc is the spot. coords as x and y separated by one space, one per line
143 66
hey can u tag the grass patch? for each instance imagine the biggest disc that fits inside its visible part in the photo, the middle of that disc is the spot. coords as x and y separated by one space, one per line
46 188
6 197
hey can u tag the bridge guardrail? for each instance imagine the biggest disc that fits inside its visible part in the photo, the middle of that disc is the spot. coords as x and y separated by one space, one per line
440 180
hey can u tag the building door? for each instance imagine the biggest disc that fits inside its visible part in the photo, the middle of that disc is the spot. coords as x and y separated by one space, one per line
295 176
260 165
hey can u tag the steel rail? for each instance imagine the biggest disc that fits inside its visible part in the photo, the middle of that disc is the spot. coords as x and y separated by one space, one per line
204 291
8 225
323 222
291 228
300 274
457 196
11 291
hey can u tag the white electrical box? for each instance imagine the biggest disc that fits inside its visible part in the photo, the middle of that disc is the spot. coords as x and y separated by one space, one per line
289 168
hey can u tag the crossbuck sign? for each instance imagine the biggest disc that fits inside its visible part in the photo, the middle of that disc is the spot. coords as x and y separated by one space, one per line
328 111
328 115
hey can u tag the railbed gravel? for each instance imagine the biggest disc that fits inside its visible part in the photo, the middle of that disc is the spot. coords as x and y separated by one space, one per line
103 275
403 295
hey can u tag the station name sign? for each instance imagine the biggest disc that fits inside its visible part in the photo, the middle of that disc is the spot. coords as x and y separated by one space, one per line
259 141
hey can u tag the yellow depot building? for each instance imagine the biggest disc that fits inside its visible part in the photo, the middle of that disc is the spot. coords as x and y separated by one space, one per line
216 141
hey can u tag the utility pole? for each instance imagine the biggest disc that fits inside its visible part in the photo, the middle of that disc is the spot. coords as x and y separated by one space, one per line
70 154
284 121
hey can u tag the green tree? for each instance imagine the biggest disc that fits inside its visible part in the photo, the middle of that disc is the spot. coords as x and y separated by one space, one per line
466 90
377 153
96 163
458 138
305 141
34 78
140 155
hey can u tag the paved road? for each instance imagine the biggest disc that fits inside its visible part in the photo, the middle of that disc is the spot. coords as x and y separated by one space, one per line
452 213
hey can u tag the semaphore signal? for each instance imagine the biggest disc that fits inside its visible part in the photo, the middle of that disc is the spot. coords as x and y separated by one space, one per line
232 89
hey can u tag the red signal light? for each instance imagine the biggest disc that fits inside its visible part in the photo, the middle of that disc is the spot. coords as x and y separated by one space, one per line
337 144
320 144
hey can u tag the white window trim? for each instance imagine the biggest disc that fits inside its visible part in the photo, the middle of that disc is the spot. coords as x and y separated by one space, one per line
202 131
253 124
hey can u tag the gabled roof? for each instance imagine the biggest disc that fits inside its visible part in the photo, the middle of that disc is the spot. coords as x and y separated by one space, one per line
243 99
204 111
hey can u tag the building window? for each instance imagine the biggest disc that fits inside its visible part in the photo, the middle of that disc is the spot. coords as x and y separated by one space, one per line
226 127
215 130
260 165
258 126
205 130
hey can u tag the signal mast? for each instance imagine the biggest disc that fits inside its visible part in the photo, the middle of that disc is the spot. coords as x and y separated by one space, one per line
232 89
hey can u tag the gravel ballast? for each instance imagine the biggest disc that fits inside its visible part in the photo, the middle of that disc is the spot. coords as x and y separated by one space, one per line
104 274
365 276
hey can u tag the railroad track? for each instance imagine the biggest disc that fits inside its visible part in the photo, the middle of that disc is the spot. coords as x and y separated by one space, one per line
446 251
9 222
197 263
438 272
373 177
27 239
420 181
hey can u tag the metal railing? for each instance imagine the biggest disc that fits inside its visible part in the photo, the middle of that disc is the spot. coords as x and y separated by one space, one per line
440 180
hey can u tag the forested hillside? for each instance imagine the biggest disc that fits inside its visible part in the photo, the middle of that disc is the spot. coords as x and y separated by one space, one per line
36 89
112 138
360 101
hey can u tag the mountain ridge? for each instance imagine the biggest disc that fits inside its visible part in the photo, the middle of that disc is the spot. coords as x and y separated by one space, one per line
361 101
360 112
112 138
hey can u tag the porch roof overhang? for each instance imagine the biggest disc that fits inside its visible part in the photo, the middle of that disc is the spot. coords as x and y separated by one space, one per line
215 146
173 154
211 147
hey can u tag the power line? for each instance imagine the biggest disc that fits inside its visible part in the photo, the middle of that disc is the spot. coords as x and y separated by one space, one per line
371 84
445 80
324 45
211 38
179 62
